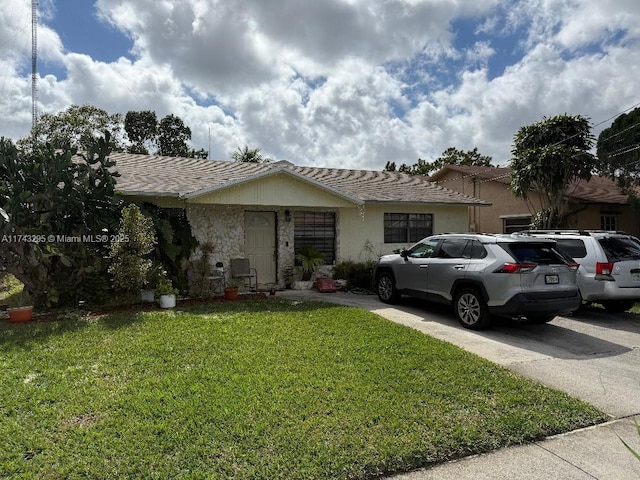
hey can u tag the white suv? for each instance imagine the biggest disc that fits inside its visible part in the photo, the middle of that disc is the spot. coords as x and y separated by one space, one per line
483 275
609 271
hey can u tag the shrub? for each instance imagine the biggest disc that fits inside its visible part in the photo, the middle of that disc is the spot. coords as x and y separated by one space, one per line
357 274
134 242
57 213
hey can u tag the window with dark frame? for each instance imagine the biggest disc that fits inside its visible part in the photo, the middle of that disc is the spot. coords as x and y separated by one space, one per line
515 224
318 230
407 227
608 222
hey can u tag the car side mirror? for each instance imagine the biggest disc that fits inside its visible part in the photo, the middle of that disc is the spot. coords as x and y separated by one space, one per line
404 254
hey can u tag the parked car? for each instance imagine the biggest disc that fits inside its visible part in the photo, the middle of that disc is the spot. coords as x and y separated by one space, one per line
609 271
483 275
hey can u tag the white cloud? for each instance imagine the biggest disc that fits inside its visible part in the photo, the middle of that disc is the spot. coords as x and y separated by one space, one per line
352 83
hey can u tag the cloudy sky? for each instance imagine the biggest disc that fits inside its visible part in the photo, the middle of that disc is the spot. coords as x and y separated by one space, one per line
335 83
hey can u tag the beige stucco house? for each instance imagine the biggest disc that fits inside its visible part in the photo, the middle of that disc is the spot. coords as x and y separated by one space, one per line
594 204
265 212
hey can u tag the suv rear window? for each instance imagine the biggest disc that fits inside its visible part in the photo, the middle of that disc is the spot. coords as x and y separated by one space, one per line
619 249
573 247
541 253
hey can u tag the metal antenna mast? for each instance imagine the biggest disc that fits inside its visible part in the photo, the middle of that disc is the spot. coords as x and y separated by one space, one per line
34 65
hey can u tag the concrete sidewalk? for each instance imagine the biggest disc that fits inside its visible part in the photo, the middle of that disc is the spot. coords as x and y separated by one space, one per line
591 453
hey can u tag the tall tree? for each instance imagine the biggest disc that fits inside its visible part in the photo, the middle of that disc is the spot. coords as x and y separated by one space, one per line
173 137
77 127
142 130
248 155
547 157
451 156
618 150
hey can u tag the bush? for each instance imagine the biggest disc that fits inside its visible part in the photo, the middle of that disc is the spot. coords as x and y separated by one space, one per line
357 274
57 213
130 264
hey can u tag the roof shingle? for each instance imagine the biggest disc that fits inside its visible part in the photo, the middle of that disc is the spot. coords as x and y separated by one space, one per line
162 176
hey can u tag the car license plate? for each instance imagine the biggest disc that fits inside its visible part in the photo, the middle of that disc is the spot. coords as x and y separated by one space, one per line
551 279
635 277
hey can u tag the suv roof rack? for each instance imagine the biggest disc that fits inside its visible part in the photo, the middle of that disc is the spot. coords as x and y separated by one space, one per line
572 232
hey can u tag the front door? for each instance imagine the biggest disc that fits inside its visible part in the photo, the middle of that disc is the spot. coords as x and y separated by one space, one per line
260 244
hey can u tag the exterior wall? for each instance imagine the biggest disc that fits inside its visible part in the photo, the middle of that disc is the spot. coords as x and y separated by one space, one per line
276 189
361 230
485 219
589 217
504 203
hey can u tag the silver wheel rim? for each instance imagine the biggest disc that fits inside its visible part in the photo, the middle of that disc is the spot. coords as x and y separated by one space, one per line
385 287
469 309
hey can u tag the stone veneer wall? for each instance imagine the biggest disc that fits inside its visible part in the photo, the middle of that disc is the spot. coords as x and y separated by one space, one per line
223 227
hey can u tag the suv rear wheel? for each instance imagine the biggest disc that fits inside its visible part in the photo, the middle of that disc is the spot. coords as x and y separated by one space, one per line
471 310
386 288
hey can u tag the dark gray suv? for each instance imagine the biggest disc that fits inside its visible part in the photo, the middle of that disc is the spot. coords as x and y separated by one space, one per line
483 275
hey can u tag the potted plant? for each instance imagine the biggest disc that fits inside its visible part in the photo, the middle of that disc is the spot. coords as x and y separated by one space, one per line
166 293
20 307
309 259
231 288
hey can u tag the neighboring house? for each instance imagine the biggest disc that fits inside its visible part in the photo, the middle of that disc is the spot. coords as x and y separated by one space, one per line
596 204
265 212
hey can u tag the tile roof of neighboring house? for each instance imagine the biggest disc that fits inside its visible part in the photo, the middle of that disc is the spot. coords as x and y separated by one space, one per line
187 177
597 190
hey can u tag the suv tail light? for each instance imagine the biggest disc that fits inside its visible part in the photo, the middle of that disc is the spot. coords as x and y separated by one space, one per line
573 265
516 268
604 270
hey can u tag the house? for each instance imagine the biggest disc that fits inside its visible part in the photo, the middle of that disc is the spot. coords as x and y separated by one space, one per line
266 212
594 204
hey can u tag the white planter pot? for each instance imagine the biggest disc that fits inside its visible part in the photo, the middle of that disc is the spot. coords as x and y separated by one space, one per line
167 301
146 295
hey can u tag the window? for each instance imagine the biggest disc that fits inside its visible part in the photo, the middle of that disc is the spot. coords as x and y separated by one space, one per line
608 222
316 229
516 224
407 227
452 248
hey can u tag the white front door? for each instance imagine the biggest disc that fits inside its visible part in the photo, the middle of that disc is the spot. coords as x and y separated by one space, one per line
260 244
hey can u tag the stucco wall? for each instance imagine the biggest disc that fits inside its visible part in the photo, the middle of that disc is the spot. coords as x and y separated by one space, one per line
362 229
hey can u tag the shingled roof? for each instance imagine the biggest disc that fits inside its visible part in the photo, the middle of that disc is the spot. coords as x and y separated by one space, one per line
596 190
188 177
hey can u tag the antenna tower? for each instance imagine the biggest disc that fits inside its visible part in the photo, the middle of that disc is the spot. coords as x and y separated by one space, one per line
34 64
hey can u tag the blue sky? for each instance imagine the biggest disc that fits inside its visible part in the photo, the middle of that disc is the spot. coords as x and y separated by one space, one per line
341 83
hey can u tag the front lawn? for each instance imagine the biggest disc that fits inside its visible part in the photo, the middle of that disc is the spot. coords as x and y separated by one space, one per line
257 389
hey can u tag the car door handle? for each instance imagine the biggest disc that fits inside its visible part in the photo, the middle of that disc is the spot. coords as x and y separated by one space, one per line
424 266
460 267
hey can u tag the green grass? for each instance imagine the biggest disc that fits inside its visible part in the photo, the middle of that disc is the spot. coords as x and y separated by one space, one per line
267 389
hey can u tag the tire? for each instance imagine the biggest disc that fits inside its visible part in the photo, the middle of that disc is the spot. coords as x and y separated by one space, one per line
471 310
386 288
541 319
617 306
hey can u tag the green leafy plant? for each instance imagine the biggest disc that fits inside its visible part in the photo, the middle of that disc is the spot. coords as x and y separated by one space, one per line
130 264
635 454
19 299
165 286
234 282
310 258
357 274
57 207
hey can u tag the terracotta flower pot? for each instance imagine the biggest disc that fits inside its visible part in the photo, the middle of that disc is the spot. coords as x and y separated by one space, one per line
20 314
231 293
